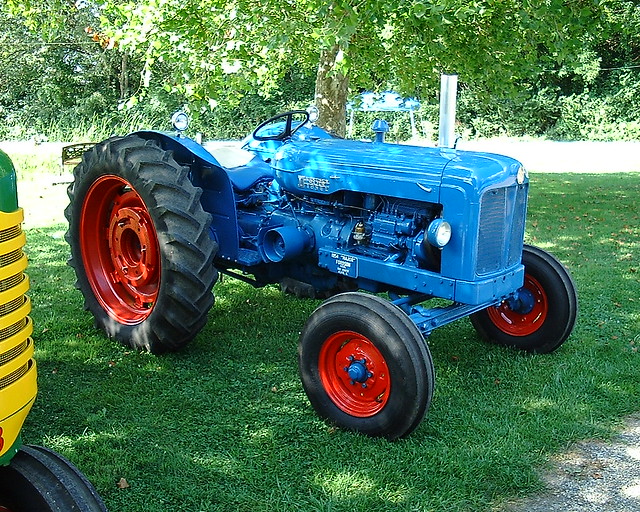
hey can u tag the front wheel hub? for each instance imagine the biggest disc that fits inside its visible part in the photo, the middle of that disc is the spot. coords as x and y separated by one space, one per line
358 371
522 302
354 374
120 249
523 314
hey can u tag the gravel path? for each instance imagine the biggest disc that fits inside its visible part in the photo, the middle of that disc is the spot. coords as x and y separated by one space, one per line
593 476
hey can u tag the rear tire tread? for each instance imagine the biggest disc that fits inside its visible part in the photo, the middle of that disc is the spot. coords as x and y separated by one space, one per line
183 231
40 479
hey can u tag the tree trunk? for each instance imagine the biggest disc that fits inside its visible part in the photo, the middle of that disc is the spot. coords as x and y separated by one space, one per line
124 76
331 93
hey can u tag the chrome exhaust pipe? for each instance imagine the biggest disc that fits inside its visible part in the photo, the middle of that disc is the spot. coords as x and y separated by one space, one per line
448 91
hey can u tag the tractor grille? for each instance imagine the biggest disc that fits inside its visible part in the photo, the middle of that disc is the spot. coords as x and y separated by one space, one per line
501 229
7 380
16 346
8 234
10 257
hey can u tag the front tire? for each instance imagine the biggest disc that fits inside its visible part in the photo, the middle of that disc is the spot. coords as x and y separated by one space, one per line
40 479
140 244
544 316
365 366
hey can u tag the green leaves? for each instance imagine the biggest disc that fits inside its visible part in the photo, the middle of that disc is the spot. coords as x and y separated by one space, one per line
419 9
219 50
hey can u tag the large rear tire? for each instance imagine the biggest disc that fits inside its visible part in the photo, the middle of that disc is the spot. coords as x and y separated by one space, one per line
41 480
140 244
365 366
543 315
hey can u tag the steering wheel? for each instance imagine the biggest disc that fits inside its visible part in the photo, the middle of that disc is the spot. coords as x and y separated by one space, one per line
282 126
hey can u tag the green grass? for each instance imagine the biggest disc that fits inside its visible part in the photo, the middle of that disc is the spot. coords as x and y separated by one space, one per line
225 424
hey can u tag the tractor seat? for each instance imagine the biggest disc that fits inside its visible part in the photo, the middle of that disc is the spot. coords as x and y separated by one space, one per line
243 167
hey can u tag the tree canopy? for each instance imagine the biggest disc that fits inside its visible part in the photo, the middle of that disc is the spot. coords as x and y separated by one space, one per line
222 48
212 53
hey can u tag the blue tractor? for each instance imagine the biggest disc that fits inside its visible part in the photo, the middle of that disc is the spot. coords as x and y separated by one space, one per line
378 230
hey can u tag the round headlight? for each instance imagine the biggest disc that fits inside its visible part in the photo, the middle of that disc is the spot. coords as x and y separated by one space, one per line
521 175
439 233
314 114
180 121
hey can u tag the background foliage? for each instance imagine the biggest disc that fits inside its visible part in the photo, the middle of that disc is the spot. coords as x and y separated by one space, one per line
75 71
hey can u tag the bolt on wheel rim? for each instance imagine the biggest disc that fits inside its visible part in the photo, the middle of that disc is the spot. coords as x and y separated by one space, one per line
522 324
354 374
120 250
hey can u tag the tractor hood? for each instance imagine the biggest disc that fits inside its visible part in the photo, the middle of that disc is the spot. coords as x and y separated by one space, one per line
326 166
329 165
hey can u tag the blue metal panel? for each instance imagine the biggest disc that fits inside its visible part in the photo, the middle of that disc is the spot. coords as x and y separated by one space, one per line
329 165
486 291
217 192
410 279
184 148
491 289
467 179
217 199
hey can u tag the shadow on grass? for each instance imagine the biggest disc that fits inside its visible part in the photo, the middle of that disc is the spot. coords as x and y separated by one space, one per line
225 424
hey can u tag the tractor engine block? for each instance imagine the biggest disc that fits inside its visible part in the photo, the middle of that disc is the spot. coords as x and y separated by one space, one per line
294 228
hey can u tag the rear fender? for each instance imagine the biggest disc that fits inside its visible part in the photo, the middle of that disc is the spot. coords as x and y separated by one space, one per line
217 192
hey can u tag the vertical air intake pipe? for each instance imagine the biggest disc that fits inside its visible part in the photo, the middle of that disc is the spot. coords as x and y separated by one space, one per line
448 90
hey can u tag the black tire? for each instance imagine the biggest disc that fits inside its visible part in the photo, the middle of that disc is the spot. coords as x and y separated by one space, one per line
41 480
140 244
553 305
369 335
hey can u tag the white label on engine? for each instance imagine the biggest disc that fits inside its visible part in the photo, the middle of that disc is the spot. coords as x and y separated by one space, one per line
346 265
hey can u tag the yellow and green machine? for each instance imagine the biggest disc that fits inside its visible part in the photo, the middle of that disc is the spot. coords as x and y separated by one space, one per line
17 366
32 478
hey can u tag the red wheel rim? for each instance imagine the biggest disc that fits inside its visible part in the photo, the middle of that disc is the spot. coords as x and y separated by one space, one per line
362 398
514 323
120 250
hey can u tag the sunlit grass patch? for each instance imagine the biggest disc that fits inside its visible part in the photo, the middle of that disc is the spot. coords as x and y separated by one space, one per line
225 424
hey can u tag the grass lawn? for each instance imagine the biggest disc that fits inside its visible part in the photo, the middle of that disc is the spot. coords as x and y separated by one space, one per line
225 424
